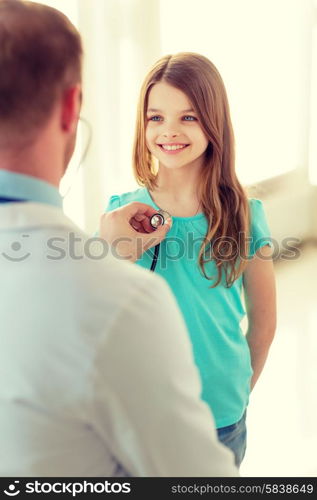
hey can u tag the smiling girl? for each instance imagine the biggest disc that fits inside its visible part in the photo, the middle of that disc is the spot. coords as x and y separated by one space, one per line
218 247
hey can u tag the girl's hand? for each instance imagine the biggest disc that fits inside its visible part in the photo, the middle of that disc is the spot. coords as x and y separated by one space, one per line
128 230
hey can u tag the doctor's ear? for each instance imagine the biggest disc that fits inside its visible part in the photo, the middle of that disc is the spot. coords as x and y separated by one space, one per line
71 103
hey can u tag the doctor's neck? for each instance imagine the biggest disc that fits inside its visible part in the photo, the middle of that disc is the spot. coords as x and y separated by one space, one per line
41 157
31 162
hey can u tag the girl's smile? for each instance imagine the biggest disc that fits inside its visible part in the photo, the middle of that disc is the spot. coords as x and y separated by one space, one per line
173 148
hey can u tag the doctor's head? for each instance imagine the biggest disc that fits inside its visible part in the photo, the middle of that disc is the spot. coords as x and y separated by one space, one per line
40 78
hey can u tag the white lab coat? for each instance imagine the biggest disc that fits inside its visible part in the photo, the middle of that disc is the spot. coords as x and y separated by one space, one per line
96 370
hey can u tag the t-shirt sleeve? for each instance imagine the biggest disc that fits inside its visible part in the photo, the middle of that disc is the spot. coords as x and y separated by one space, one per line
260 233
113 203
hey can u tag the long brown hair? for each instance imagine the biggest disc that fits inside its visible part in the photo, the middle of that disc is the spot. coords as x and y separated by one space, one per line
223 199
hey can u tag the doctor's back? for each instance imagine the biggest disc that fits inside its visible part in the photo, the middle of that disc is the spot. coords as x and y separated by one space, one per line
97 376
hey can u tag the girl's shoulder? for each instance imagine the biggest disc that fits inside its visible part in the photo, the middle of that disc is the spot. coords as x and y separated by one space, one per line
256 209
259 228
255 204
119 200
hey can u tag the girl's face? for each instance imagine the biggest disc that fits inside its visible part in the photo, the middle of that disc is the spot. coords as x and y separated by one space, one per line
173 133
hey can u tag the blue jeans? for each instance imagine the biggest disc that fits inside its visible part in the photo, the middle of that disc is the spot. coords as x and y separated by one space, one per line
235 437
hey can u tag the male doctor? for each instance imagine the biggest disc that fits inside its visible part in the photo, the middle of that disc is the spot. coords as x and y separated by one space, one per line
96 370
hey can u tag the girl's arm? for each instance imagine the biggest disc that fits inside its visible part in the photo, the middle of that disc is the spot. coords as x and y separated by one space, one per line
260 299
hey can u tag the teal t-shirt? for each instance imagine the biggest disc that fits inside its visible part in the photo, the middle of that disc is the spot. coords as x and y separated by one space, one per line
212 315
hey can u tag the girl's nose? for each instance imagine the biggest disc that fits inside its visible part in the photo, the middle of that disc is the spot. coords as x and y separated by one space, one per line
170 133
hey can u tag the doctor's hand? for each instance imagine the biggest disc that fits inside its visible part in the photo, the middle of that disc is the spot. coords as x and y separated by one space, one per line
128 230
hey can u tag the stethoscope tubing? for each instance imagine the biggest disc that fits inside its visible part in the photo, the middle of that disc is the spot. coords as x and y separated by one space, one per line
155 257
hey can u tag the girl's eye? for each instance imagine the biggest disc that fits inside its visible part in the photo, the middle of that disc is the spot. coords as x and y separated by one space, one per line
189 118
155 118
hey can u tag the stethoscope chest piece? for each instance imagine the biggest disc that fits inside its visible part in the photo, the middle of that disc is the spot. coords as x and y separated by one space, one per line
159 219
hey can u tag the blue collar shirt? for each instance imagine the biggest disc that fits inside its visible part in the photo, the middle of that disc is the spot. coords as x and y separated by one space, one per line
20 187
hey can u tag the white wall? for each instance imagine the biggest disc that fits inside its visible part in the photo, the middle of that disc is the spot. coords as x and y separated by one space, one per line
313 103
291 205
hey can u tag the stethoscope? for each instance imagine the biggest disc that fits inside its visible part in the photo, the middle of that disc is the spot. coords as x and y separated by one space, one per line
157 220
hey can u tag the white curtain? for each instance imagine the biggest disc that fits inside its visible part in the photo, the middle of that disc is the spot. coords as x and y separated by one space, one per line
121 40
